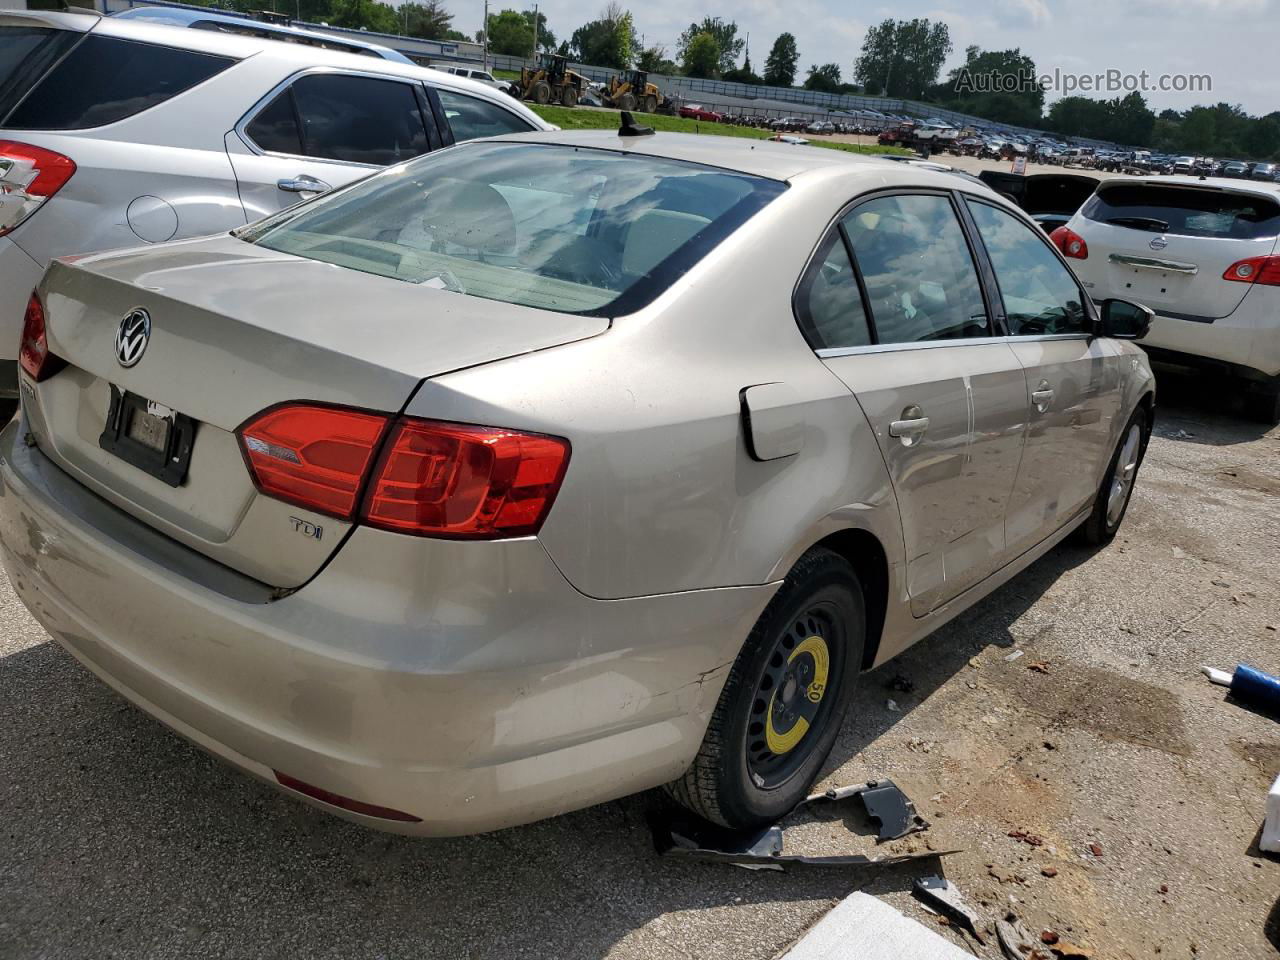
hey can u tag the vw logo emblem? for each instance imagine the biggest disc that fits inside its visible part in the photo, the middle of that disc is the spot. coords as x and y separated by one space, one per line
1158 243
132 337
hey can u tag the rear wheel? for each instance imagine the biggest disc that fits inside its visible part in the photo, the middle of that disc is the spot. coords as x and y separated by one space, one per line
569 96
785 698
1117 487
542 93
626 102
650 103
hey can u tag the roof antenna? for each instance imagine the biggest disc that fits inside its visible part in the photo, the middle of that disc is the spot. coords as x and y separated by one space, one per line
629 127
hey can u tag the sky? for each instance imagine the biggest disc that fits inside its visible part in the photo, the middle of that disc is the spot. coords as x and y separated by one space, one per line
1233 41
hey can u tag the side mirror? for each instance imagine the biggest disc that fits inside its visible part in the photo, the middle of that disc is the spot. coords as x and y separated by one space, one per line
1124 320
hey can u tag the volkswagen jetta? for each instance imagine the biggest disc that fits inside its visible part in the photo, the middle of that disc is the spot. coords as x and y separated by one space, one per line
542 470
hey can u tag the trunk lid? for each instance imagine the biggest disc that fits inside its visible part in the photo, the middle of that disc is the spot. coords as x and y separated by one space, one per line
1167 244
236 328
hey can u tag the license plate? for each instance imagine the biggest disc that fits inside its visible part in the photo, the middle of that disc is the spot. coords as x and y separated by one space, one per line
151 437
148 429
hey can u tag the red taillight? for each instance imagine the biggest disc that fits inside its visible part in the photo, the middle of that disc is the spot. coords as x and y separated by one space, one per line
33 352
455 480
1260 270
1070 243
28 177
311 455
432 478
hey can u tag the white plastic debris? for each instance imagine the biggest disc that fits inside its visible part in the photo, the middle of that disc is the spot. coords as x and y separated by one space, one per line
861 926
1270 841
1221 677
1013 656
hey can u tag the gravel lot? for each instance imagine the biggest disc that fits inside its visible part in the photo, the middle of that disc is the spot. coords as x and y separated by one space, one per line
121 840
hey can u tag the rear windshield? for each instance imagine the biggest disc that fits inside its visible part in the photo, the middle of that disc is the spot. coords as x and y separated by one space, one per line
1186 211
583 231
105 79
25 54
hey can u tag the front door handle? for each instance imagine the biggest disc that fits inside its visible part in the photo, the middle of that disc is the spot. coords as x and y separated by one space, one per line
1042 396
911 427
303 184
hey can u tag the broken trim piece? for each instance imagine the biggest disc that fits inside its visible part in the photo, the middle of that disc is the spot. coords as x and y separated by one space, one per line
884 802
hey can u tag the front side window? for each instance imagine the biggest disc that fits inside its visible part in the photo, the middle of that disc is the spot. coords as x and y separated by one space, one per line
106 79
472 118
920 277
1040 295
587 231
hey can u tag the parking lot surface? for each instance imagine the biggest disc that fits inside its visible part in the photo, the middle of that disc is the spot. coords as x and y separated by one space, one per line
1101 740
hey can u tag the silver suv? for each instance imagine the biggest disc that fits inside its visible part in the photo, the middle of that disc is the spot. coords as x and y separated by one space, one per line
120 132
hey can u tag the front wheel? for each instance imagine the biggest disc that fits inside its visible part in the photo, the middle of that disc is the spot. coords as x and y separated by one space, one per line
569 96
650 103
1117 487
786 696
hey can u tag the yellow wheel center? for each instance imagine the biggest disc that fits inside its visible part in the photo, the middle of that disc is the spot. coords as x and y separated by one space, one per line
797 710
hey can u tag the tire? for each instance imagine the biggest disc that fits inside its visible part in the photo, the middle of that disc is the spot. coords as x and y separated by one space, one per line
747 773
626 102
1108 513
650 103
568 96
542 93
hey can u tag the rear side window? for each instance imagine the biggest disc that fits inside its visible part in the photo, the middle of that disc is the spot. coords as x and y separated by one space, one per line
25 54
829 303
920 277
347 118
105 79
471 117
1185 211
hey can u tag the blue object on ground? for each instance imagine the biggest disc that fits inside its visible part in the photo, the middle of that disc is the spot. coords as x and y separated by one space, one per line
1255 687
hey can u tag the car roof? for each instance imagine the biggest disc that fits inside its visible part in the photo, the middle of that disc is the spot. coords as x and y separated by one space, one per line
762 158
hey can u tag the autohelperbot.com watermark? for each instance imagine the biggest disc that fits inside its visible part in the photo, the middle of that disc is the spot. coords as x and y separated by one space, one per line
1065 83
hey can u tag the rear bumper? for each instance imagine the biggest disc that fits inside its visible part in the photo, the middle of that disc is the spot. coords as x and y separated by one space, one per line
19 275
1248 339
466 684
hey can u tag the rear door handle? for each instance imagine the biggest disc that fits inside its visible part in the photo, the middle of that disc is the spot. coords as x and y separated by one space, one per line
1042 396
911 427
303 184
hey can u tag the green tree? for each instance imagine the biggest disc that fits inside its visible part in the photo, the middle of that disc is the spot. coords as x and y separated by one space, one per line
742 74
654 60
364 15
701 56
1000 85
429 20
725 34
546 39
780 66
510 33
825 78
608 41
903 57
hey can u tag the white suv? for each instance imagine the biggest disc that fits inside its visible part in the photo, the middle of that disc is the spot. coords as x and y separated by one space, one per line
119 132
1201 253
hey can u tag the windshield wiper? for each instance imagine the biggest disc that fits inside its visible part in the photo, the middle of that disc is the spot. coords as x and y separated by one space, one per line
1141 223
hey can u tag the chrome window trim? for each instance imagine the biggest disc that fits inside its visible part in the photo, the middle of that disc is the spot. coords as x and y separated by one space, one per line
832 353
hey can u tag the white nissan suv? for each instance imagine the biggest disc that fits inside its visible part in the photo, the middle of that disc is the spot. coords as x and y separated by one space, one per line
1202 253
119 132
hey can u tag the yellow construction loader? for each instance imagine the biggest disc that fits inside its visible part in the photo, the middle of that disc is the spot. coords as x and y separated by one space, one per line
633 91
552 82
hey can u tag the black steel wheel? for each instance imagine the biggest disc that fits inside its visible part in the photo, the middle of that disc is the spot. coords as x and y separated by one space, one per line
784 699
